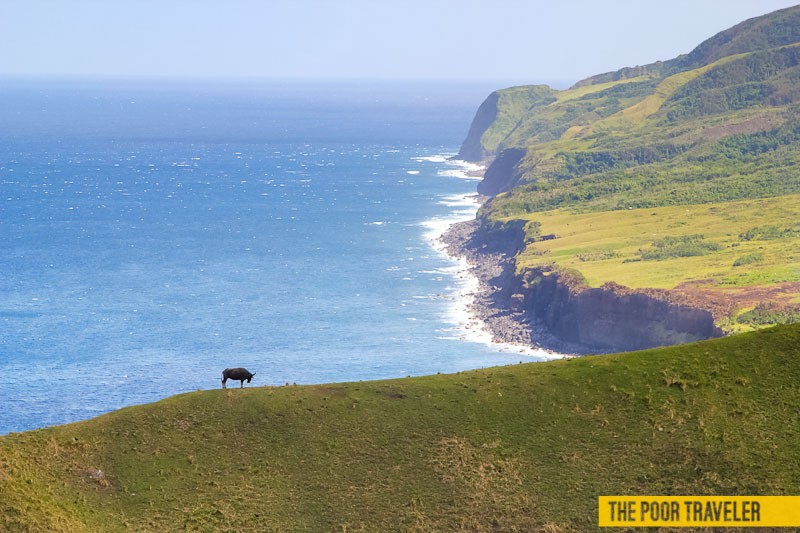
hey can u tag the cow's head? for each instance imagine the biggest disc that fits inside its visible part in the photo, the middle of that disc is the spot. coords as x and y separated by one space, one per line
251 377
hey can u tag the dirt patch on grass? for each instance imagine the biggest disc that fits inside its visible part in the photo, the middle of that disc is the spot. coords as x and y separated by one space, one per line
392 394
754 125
723 301
720 300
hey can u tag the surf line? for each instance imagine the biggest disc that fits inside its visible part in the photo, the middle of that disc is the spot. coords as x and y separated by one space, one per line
466 322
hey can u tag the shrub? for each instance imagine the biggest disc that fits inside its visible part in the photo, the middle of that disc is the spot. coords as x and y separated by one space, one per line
766 233
597 255
748 259
766 314
681 246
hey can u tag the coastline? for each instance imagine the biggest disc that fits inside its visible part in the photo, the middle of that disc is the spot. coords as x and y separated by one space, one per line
491 303
500 309
480 310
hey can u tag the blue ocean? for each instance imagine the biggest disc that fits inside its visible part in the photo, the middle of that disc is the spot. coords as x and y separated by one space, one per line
155 233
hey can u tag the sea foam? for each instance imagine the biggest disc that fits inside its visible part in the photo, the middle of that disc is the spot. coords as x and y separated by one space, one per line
465 325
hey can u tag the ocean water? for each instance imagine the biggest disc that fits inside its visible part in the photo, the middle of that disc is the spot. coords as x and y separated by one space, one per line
154 233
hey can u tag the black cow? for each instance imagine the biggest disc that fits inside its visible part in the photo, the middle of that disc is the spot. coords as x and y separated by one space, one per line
236 373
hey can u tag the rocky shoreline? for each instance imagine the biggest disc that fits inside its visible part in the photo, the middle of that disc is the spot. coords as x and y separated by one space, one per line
493 303
555 316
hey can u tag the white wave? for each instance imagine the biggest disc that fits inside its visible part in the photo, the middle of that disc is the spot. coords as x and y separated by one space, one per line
440 158
413 172
465 325
459 200
460 174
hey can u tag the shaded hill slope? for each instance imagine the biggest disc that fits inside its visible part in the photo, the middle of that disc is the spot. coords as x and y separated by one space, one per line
525 447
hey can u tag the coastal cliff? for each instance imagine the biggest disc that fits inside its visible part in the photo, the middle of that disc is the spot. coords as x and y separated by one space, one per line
735 92
624 208
497 116
554 310
610 318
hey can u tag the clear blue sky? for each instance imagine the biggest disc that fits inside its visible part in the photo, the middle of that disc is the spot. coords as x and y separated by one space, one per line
399 39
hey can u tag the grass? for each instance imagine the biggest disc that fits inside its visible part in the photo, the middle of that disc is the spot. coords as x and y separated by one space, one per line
575 93
512 104
527 447
617 239
636 115
688 133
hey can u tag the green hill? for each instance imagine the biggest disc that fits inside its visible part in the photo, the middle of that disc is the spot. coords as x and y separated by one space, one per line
527 447
736 95
716 126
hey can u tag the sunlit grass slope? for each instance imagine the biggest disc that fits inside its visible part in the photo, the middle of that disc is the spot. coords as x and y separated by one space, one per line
521 448
607 246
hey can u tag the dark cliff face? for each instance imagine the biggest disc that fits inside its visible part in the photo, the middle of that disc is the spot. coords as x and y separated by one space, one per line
588 320
501 174
506 238
605 320
472 149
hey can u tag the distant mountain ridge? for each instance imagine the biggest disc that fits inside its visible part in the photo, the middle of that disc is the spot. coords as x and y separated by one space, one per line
745 77
715 132
775 29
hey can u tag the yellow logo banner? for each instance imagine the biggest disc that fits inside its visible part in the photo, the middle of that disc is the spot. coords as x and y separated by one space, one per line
699 511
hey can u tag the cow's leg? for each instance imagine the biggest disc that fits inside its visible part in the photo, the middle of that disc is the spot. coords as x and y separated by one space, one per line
223 383
241 384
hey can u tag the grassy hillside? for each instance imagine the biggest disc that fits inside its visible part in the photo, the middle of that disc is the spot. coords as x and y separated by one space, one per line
720 130
498 115
648 177
619 245
730 257
521 448
775 29
729 111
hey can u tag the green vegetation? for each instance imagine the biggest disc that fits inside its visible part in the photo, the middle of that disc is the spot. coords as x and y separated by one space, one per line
748 259
708 127
750 80
512 104
690 140
519 448
679 246
597 255
768 233
609 246
768 314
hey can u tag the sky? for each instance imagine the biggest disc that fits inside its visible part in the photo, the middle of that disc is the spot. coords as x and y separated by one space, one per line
518 40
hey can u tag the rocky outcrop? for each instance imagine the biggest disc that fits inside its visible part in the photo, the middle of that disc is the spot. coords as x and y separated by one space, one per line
610 318
489 237
554 310
472 149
